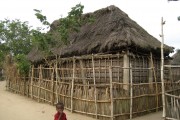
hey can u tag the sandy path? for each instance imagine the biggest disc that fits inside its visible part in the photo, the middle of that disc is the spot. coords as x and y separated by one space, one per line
17 107
151 116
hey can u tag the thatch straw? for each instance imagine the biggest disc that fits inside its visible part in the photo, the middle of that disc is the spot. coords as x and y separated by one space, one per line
35 55
111 31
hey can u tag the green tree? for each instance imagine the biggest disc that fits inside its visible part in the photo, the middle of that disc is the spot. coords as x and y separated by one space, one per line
16 36
22 64
39 40
4 50
71 23
41 17
42 40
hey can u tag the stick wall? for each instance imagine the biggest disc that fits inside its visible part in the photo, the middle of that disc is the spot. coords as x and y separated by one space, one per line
97 85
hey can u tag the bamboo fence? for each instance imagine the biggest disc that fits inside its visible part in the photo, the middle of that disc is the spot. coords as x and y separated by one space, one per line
172 97
173 105
111 86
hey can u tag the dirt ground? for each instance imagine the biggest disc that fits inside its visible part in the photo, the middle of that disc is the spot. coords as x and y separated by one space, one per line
17 107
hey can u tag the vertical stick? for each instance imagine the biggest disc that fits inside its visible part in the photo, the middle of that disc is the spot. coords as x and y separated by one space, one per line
85 89
82 72
57 78
72 88
52 86
29 83
95 92
178 108
126 71
106 69
162 69
118 64
150 72
131 92
99 69
32 76
157 99
7 82
39 82
24 90
111 92
45 86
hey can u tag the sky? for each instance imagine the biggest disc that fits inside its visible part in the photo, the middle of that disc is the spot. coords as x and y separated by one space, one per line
147 13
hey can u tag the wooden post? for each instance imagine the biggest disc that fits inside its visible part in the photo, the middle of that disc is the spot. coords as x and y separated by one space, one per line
24 91
111 92
32 76
131 92
82 72
83 77
95 91
57 78
29 83
7 82
72 83
39 82
151 72
52 86
162 69
157 99
126 71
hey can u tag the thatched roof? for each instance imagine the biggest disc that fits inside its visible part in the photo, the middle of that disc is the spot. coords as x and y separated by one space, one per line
176 58
35 55
111 31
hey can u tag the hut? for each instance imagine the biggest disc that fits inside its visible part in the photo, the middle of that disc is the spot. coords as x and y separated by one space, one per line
110 69
175 68
176 58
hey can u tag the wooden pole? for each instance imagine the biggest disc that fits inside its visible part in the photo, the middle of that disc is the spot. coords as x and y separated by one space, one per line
162 68
57 78
126 71
154 72
72 83
52 86
150 72
39 82
111 92
82 72
95 91
24 91
131 92
32 76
